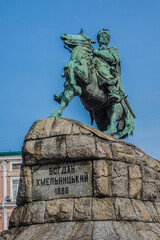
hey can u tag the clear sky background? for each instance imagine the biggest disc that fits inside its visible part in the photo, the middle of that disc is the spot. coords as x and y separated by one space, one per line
32 58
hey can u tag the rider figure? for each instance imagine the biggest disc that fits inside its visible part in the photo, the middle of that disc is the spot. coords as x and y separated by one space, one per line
107 63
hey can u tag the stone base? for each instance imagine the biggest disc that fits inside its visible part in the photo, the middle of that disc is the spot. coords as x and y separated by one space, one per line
88 230
79 183
81 209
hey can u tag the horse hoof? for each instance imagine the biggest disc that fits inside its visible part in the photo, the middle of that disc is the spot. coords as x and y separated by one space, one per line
109 132
54 115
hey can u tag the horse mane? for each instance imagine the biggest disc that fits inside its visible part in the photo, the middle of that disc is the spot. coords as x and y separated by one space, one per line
86 44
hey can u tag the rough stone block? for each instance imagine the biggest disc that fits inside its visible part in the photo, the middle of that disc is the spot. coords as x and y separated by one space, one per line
101 168
25 186
104 230
40 129
119 179
149 175
141 211
80 231
151 163
134 172
26 217
80 147
103 149
103 209
120 187
38 151
82 209
49 127
102 178
139 154
119 169
14 220
124 210
102 186
59 210
123 152
84 131
135 188
75 129
150 191
157 206
53 148
61 126
38 212
99 133
152 211
150 232
28 153
155 229
125 230
25 171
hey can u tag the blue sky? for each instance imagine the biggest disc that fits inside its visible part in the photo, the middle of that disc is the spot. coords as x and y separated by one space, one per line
32 58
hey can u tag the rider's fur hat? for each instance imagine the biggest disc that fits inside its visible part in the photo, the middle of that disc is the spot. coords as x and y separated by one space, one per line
105 31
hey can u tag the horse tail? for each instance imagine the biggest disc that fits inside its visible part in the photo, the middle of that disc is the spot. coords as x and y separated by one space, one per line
129 107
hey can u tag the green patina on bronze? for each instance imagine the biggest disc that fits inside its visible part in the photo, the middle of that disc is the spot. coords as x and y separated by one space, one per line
95 76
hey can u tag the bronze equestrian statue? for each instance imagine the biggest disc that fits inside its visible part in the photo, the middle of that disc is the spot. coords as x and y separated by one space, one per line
95 76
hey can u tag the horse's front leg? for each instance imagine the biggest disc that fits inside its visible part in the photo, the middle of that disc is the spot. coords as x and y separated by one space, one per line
64 98
70 71
82 71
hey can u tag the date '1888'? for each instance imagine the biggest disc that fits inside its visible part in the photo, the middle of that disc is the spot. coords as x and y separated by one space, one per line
63 190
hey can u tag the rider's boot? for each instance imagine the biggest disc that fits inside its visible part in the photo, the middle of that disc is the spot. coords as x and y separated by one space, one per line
58 113
58 98
77 90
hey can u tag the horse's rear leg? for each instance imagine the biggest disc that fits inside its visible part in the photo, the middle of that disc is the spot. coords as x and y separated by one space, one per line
101 119
112 127
114 116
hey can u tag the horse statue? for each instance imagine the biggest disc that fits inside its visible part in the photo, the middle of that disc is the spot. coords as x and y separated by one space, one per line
112 116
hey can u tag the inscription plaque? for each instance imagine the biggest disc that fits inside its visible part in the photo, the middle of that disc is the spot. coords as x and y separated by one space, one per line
62 180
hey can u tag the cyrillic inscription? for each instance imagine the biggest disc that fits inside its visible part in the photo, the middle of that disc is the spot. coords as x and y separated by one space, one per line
62 180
